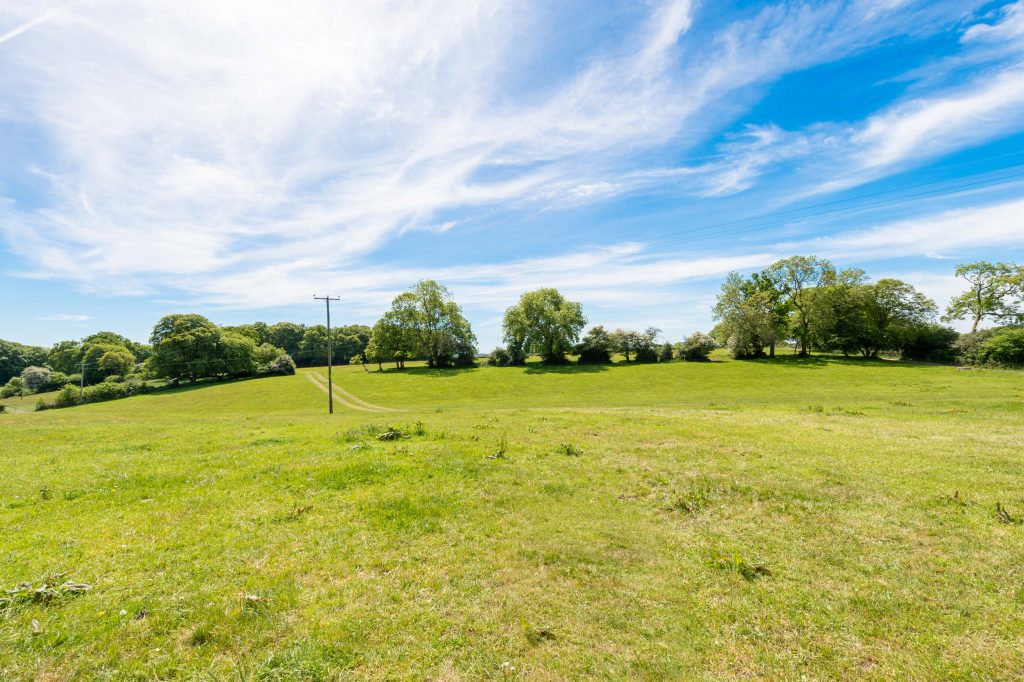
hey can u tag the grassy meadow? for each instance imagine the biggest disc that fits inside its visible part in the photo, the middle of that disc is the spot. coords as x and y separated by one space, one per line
792 519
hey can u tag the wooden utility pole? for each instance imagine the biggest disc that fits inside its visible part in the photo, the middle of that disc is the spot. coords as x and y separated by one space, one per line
330 357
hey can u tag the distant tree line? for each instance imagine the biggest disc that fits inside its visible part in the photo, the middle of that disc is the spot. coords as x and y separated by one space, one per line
187 347
808 301
803 300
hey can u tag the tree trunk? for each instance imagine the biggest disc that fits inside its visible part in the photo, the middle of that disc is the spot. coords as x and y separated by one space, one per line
977 319
771 349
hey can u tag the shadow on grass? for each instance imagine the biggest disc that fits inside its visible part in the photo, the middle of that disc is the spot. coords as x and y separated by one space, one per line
566 368
433 372
819 361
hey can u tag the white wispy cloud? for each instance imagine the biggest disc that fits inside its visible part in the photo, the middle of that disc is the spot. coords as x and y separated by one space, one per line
64 317
255 140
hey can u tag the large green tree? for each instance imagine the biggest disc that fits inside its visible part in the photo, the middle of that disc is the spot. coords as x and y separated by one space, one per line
185 346
425 322
996 292
799 279
15 357
65 356
544 322
752 314
890 312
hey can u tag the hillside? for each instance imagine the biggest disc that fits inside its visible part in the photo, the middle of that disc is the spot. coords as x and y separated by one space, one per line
688 520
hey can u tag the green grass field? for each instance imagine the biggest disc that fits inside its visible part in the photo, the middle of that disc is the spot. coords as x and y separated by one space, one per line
818 519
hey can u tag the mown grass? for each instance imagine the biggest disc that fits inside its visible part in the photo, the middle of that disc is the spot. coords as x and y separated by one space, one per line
607 523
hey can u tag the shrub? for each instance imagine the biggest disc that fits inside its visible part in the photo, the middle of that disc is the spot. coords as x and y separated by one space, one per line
67 397
666 352
103 391
355 360
14 387
595 347
35 379
968 347
57 379
930 343
1005 348
698 346
499 357
282 365
265 354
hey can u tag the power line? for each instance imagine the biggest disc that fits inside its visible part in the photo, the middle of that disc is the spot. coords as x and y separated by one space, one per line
700 232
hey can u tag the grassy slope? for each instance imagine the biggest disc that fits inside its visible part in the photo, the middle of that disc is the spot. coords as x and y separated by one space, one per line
424 558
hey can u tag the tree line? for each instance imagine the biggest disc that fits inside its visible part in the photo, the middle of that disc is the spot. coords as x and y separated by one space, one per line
809 301
803 300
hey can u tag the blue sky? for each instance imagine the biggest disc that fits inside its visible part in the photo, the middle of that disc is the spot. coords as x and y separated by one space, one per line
234 158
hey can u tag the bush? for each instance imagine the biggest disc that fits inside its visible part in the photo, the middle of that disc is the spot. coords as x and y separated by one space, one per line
499 357
968 347
666 352
57 379
35 379
67 397
103 391
1005 348
698 347
282 365
595 347
355 360
14 387
930 343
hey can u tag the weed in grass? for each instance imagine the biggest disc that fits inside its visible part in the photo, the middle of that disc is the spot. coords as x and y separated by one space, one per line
955 500
501 451
900 403
45 494
1005 517
747 570
569 450
200 636
536 635
48 590
815 408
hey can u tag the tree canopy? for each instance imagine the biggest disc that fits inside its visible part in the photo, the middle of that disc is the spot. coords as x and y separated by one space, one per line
996 292
424 322
543 322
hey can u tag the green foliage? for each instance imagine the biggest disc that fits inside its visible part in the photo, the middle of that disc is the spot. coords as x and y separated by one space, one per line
596 346
35 379
499 357
14 387
697 347
185 346
283 365
634 345
666 352
67 397
543 322
65 356
1004 348
930 342
752 314
424 322
798 280
996 292
15 357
